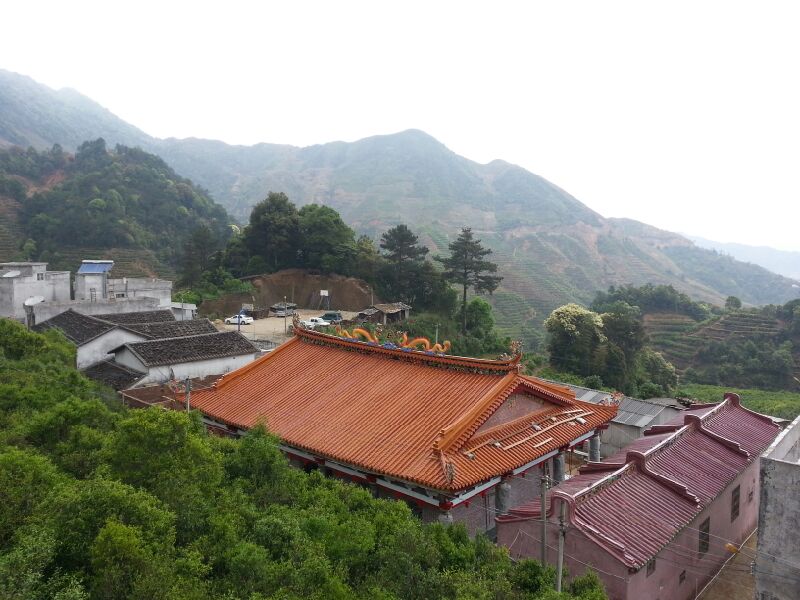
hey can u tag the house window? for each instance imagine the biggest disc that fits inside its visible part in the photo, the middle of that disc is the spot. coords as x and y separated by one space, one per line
735 503
651 567
40 277
682 578
705 536
119 295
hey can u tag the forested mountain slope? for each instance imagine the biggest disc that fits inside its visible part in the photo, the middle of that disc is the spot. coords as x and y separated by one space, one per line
123 204
551 248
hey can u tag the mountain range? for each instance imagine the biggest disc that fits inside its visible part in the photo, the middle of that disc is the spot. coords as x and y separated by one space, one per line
783 262
550 247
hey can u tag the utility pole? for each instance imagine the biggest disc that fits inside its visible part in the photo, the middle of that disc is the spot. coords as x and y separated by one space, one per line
436 341
285 309
188 388
561 531
543 489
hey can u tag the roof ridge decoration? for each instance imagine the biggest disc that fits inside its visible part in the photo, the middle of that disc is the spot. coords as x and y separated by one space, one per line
428 357
402 342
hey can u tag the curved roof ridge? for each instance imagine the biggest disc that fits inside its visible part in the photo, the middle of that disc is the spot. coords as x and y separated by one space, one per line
424 357
496 395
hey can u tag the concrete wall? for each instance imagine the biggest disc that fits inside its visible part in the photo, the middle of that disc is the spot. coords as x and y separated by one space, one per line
138 287
778 558
617 436
680 555
54 287
200 368
86 282
98 349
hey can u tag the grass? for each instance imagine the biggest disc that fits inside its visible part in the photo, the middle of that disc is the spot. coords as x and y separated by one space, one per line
777 404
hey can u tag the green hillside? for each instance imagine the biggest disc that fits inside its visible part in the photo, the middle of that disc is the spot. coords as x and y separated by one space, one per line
123 204
550 248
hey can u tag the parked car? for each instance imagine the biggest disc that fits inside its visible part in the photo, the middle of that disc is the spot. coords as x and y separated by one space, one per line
239 320
334 317
315 322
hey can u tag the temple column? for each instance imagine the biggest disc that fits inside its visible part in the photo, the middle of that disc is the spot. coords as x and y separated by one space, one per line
502 496
558 468
445 517
594 448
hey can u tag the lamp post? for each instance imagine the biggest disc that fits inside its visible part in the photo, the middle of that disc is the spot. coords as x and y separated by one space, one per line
285 308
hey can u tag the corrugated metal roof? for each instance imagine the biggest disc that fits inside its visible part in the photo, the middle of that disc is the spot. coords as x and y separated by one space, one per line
632 411
633 503
636 412
95 266
400 413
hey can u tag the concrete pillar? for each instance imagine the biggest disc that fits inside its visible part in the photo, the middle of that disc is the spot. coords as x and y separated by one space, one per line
594 448
558 468
445 517
502 496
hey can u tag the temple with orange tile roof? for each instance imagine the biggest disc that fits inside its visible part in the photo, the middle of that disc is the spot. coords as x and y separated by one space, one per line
458 438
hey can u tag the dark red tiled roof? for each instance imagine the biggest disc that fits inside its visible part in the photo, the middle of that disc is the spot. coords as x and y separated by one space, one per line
406 414
636 501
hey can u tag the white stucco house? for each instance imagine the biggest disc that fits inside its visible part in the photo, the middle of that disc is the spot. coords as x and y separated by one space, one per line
94 338
181 357
22 280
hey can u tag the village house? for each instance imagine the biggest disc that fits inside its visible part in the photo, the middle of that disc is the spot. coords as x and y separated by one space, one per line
385 313
22 280
457 438
93 283
777 563
94 338
172 358
94 291
656 519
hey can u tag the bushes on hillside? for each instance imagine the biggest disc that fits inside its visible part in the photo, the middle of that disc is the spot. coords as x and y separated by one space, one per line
104 502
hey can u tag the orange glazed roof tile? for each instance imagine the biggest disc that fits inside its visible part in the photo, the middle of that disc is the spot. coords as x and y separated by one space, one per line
404 414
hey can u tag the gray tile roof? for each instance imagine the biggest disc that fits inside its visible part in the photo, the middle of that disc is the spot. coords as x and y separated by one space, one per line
147 316
170 329
177 350
78 328
112 374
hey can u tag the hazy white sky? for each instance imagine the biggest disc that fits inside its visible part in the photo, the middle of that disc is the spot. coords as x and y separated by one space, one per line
684 115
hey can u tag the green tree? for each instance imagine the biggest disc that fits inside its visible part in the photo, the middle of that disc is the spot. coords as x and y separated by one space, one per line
732 303
467 268
574 333
273 231
328 244
404 258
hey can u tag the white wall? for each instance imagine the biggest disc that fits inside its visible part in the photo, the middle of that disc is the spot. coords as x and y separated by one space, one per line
15 290
98 349
201 368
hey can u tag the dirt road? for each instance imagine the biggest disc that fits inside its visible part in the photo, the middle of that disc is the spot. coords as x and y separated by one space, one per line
272 328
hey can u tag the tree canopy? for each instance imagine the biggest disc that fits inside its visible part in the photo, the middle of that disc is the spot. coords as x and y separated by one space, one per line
105 502
466 267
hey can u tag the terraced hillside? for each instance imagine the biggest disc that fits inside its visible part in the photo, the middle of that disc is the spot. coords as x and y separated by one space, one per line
672 335
738 325
728 349
11 234
128 262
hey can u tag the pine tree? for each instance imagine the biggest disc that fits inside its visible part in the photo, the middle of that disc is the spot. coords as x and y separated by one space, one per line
467 268
404 258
